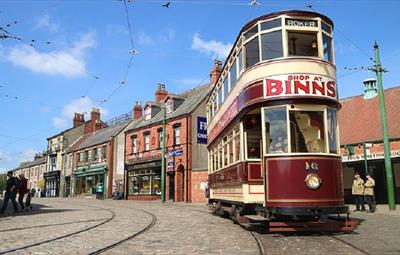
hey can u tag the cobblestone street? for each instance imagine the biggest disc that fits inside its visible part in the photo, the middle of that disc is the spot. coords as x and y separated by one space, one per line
77 226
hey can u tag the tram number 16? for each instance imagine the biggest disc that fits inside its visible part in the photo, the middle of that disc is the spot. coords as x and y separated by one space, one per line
313 166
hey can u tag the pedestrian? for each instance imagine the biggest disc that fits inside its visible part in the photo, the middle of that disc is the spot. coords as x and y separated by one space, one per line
369 193
207 192
358 192
99 191
11 192
28 201
22 190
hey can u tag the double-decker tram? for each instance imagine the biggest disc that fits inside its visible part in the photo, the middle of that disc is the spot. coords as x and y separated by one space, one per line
272 126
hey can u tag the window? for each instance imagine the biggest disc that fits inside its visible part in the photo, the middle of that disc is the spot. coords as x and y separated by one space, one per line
177 135
134 144
146 141
327 45
307 131
159 131
236 144
226 88
226 152
86 156
332 133
233 75
303 44
215 105
104 152
169 105
252 129
240 58
252 52
144 182
220 99
326 27
276 130
94 153
251 32
80 157
271 45
147 113
271 24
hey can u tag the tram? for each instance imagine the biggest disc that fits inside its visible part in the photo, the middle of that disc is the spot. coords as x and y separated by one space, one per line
273 142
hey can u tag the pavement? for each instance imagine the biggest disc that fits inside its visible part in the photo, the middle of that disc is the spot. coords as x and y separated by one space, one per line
83 226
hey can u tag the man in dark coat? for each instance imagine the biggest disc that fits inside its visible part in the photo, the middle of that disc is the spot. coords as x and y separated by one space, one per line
11 192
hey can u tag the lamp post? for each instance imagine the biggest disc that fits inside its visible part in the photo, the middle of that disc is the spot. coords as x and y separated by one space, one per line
163 158
377 68
63 179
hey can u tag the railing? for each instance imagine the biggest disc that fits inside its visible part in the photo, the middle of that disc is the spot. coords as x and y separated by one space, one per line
119 119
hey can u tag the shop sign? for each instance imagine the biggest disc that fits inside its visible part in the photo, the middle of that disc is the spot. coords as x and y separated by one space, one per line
201 130
294 85
372 156
177 152
301 23
170 164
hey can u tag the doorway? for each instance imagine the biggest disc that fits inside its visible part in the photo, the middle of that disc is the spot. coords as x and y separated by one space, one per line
171 184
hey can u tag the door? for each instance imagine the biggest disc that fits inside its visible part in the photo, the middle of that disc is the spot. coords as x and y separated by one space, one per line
171 177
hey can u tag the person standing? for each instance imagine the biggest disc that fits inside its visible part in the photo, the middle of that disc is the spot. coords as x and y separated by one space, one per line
23 189
369 193
358 192
207 192
99 191
11 193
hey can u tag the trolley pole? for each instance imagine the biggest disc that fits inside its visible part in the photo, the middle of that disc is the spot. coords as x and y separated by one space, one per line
163 159
388 162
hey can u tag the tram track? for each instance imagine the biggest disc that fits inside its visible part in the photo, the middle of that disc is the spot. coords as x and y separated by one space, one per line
350 244
259 243
24 247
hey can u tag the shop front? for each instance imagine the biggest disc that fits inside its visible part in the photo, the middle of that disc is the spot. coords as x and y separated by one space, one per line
87 178
52 183
144 181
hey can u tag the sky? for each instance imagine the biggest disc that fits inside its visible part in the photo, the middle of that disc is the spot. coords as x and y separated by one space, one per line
74 55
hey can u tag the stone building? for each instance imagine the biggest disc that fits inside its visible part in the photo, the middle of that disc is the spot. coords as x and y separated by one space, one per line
33 171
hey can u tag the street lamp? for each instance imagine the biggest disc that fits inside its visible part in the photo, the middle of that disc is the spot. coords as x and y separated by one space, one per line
377 68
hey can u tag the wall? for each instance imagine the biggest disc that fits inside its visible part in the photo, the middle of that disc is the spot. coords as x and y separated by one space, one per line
197 186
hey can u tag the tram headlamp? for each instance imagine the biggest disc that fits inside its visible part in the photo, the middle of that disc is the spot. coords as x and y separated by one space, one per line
313 181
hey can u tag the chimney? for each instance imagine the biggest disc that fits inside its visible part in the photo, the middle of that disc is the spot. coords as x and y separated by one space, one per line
95 119
215 71
78 119
37 156
161 93
137 110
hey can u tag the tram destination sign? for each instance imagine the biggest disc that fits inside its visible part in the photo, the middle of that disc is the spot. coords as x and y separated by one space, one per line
301 23
304 85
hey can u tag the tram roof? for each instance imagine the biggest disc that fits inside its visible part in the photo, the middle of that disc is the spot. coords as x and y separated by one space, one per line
359 119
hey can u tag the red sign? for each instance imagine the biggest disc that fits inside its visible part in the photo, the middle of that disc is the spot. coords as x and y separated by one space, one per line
300 85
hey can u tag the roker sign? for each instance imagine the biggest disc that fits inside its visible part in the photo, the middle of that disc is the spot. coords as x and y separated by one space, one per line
290 85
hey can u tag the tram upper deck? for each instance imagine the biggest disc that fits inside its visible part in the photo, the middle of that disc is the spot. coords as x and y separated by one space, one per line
284 55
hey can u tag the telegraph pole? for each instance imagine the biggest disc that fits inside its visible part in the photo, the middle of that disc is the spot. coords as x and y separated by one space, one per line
163 158
388 162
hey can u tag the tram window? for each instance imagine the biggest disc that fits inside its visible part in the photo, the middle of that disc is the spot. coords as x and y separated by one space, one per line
236 140
230 148
233 75
271 45
240 57
332 133
252 52
276 130
326 27
215 105
271 24
307 131
219 98
251 32
220 156
303 44
327 45
226 88
252 127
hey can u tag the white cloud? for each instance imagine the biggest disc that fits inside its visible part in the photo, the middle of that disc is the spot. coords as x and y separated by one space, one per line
27 155
81 105
212 48
4 157
145 39
45 22
68 62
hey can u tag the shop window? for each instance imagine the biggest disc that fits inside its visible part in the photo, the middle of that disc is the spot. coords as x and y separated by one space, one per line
307 131
271 45
276 130
252 129
233 75
303 44
327 45
252 52
332 132
144 182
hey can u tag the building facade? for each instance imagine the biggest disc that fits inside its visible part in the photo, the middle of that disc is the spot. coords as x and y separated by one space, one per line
33 171
186 169
361 141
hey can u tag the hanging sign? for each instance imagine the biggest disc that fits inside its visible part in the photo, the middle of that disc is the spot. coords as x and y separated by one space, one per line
201 130
170 164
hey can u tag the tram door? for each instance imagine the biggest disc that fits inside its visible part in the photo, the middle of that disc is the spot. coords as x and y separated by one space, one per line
171 177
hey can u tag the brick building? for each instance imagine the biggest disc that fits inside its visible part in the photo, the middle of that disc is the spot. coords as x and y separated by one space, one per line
360 127
186 153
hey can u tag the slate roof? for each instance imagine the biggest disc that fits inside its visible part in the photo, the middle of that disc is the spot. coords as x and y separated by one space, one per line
192 98
31 163
360 119
98 137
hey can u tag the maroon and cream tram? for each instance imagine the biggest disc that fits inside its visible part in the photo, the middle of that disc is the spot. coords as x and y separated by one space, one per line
272 125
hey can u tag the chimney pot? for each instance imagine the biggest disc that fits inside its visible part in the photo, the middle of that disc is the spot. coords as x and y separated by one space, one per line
215 71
